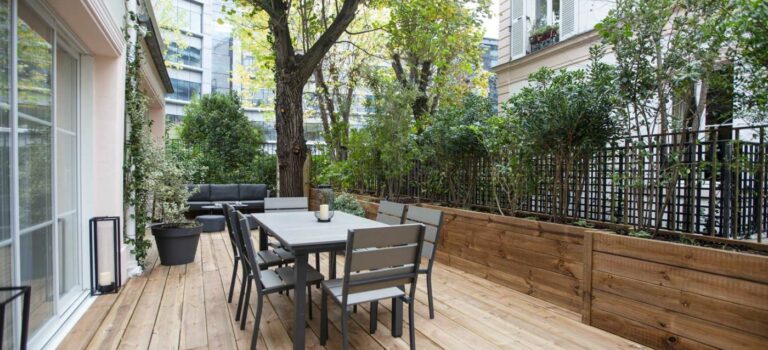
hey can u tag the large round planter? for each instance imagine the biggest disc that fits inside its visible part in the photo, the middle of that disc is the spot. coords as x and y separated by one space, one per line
176 245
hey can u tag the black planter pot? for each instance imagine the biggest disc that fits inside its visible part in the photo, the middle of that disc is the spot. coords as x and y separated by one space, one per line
176 245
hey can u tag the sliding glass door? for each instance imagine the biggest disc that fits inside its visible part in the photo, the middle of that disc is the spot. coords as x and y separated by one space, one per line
40 229
67 213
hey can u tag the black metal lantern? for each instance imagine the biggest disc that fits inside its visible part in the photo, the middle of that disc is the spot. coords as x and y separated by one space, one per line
10 294
325 209
105 279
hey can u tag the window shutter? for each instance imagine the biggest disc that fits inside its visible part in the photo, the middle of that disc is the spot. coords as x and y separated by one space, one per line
517 29
567 18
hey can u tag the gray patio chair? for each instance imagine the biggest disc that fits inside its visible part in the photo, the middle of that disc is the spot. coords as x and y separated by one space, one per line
433 220
265 258
391 213
380 262
268 281
288 204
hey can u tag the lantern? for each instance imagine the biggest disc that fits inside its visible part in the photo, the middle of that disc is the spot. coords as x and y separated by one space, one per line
325 208
105 254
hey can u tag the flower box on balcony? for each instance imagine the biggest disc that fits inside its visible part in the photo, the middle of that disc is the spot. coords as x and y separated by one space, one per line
545 36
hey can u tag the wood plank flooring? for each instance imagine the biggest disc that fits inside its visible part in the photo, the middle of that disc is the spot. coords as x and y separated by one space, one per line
185 307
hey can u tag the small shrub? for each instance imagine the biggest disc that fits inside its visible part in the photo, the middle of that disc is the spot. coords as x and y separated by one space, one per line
583 223
640 234
348 203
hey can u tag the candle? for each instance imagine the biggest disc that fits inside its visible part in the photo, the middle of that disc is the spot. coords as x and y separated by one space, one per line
323 211
105 278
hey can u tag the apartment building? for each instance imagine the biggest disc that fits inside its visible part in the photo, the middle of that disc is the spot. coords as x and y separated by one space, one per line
544 33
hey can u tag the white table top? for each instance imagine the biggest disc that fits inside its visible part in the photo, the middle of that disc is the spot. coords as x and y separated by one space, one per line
301 229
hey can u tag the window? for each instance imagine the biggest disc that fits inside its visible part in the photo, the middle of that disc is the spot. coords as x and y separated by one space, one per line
191 55
547 13
189 16
184 90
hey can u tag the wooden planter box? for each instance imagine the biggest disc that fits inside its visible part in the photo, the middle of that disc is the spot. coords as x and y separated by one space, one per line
660 294
670 295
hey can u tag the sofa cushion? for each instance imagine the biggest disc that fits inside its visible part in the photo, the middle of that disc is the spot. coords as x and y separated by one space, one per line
224 193
253 192
203 193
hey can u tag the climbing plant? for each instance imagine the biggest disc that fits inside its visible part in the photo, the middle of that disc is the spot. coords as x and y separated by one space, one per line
136 166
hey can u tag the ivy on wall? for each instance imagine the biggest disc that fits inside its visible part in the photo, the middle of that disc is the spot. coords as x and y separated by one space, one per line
137 164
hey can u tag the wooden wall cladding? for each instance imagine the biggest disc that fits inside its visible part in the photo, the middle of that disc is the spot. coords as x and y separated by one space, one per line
669 295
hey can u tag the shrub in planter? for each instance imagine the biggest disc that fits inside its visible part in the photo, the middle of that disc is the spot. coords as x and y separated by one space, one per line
348 203
176 237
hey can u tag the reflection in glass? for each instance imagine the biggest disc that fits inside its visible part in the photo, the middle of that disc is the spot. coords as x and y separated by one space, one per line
37 271
35 67
5 124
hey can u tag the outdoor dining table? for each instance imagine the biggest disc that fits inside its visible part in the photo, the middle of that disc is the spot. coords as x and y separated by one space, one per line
303 234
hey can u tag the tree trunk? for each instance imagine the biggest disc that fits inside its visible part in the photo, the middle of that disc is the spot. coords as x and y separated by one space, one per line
291 145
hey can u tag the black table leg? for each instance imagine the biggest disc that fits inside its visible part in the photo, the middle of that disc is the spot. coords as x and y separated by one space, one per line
300 299
262 239
332 264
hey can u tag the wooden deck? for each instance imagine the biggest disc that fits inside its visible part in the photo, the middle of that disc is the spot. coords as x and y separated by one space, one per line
185 307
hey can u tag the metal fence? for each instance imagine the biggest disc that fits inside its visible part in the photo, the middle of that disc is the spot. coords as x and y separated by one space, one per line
709 182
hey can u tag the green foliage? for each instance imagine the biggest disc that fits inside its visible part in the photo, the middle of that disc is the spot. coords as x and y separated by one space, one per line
348 203
565 116
663 48
750 57
221 141
137 164
582 223
167 186
539 30
640 234
435 50
451 148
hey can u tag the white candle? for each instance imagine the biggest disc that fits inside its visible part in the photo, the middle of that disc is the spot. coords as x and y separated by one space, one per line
323 211
105 278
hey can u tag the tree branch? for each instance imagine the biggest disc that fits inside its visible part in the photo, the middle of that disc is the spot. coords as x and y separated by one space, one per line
307 63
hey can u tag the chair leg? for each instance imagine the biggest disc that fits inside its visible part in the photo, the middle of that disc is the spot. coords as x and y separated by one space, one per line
257 321
429 295
345 328
247 302
323 318
309 300
317 261
354 308
232 281
411 326
240 300
374 316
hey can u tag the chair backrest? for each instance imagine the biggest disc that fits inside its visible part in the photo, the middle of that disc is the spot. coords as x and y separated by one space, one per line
382 257
433 220
285 204
244 233
391 213
228 213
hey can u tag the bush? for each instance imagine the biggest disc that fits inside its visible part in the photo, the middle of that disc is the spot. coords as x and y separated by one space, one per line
220 140
348 203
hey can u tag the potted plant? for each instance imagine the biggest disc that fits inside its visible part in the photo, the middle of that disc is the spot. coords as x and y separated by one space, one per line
175 236
543 33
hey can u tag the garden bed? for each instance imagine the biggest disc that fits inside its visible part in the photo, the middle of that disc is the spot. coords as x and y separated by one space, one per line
659 293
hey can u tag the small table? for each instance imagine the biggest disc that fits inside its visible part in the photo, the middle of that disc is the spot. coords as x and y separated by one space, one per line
301 233
218 206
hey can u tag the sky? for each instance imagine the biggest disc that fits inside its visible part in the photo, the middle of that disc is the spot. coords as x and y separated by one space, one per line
492 23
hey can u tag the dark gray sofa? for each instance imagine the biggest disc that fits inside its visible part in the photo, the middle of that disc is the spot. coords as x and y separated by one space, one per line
252 195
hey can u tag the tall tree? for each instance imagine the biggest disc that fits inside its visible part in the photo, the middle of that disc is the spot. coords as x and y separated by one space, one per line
292 70
434 47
